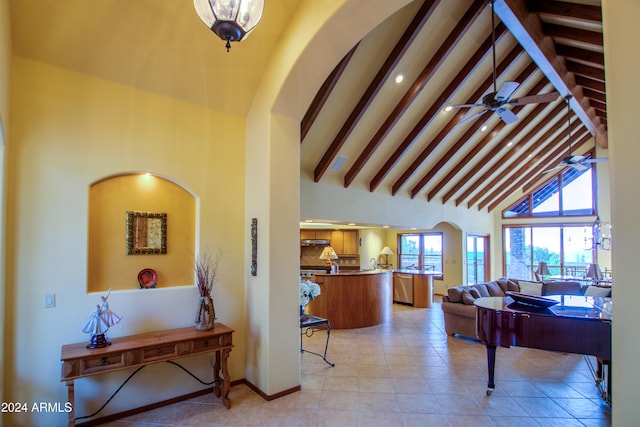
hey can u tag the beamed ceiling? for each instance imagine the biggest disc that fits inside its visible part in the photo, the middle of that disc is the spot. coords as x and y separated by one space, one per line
392 137
365 129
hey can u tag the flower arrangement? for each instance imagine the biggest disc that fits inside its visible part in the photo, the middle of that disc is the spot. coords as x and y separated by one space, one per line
308 291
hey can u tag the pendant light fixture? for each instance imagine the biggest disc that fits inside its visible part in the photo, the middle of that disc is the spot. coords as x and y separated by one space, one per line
231 20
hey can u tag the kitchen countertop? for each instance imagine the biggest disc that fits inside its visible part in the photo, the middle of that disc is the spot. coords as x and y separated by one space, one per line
427 272
355 272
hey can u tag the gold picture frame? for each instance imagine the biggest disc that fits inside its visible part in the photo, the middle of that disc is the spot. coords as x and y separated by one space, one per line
146 233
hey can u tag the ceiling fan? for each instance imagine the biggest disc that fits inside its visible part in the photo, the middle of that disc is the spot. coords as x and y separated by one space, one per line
575 161
499 99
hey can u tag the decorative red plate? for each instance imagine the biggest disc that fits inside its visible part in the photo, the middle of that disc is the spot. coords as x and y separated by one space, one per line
147 278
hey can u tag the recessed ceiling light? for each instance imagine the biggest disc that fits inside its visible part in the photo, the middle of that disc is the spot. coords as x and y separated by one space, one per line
448 108
510 143
385 226
399 78
483 128
308 220
352 223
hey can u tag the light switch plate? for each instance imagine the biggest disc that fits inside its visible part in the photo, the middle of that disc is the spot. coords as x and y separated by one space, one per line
49 300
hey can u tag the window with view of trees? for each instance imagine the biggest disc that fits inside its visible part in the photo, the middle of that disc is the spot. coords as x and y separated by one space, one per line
420 251
477 258
561 247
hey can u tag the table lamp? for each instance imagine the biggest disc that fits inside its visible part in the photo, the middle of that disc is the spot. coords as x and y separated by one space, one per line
328 254
594 272
386 251
543 269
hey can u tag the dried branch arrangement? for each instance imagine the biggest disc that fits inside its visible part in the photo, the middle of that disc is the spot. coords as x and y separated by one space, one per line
206 269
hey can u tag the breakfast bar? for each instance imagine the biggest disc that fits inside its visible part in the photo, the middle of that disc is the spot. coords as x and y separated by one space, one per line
354 299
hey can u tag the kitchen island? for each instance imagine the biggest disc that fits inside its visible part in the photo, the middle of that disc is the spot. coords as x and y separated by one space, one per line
354 299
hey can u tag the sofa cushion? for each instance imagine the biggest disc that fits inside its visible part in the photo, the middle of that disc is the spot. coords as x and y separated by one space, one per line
530 288
513 285
455 294
482 289
495 290
597 291
468 296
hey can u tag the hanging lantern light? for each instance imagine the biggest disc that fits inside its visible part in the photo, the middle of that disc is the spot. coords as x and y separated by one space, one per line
231 20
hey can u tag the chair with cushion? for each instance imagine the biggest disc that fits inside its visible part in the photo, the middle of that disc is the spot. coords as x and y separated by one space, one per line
561 288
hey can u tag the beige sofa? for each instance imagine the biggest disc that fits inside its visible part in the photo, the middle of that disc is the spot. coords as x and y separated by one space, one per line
460 312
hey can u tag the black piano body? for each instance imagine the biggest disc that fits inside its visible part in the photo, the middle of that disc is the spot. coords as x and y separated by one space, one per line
574 324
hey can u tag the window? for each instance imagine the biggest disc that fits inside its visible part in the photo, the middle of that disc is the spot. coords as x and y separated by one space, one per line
477 258
420 251
568 193
560 246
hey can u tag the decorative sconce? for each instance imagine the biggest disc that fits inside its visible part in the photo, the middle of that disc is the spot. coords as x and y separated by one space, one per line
231 20
601 236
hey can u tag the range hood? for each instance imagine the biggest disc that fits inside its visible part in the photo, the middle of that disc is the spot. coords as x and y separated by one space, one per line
314 242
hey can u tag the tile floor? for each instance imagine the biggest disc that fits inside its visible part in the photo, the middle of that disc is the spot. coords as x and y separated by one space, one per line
408 372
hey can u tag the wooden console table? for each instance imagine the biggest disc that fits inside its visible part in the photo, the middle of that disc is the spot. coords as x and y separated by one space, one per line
145 349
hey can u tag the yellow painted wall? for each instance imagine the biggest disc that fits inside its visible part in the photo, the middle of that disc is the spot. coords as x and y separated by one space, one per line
69 131
108 264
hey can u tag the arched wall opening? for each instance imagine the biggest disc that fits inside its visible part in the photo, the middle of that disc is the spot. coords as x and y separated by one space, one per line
109 266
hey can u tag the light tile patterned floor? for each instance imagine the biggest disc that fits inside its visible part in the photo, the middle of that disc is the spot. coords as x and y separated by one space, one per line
408 372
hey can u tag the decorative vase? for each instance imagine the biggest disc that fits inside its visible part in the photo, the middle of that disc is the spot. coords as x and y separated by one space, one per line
206 314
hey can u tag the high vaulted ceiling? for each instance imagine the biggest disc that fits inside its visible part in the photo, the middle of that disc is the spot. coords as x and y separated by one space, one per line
364 129
391 137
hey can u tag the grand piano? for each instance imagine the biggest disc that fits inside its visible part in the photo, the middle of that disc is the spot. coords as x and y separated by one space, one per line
563 323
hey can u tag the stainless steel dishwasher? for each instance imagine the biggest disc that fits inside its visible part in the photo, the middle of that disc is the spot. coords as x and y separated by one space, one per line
403 288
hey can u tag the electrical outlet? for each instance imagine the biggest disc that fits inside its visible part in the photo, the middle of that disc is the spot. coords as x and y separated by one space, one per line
49 300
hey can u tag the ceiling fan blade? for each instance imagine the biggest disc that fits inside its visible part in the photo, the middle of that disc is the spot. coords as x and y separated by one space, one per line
465 105
506 90
507 115
600 159
553 169
579 166
535 99
471 117
574 159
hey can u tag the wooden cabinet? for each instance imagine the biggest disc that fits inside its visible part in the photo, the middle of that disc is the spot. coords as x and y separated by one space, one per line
350 242
315 234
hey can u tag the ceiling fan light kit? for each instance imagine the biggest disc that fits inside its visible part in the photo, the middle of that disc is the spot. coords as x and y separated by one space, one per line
231 20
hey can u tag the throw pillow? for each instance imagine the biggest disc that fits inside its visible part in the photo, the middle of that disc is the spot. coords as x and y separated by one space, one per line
494 289
482 288
530 288
467 297
597 291
475 293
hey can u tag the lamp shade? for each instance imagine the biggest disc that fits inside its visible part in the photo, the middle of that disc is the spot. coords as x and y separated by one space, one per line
543 269
386 251
594 272
328 253
231 20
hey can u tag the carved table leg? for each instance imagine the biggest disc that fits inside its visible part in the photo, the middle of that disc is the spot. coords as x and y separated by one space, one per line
226 383
491 366
216 375
71 399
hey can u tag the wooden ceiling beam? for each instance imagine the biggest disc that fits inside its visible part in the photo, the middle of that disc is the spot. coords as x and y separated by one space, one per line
446 48
574 11
585 70
469 157
437 106
593 39
601 97
422 16
587 57
482 185
594 85
323 94
486 85
527 29
534 167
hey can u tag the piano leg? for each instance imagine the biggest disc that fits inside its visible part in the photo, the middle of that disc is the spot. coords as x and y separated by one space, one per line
491 367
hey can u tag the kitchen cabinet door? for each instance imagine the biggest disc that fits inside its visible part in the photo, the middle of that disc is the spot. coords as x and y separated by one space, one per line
337 241
307 234
323 234
350 242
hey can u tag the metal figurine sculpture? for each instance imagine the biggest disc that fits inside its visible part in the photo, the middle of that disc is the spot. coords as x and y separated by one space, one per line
99 322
